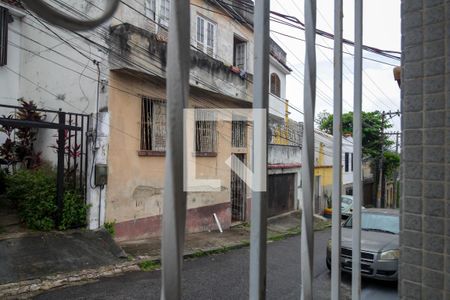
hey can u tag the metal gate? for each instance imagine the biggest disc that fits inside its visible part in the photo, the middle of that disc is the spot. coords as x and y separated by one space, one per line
281 190
71 143
238 192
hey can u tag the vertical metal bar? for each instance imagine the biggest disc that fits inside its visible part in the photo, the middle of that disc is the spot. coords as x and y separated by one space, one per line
74 153
258 234
174 214
60 168
86 157
309 103
337 156
69 132
357 145
81 152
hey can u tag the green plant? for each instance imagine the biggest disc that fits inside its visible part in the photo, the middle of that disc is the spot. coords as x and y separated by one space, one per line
109 226
2 181
74 212
18 146
149 265
33 192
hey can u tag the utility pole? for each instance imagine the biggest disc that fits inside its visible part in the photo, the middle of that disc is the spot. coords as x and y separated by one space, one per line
380 178
395 175
381 187
396 172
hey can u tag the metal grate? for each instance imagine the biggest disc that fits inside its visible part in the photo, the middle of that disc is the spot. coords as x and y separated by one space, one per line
364 255
153 124
205 131
239 134
238 192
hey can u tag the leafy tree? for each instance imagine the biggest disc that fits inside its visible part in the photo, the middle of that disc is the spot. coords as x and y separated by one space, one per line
371 130
391 163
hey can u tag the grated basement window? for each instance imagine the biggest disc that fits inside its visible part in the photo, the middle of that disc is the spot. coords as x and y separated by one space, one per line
153 124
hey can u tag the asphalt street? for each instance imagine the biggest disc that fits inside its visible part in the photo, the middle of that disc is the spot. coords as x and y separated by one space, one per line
225 276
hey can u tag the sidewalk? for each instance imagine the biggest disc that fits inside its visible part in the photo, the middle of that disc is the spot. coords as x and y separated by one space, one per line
41 261
237 236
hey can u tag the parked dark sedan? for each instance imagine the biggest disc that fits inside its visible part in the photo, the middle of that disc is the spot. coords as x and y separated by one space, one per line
379 244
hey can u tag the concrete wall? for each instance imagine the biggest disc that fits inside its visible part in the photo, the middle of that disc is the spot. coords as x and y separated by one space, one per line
425 188
284 154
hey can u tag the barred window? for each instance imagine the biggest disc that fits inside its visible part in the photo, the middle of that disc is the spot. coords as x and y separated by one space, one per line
239 134
205 131
153 124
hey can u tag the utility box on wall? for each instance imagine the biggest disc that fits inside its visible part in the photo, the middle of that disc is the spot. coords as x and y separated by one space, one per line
101 174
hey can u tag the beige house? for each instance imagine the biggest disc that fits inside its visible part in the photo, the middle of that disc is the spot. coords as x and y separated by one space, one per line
220 77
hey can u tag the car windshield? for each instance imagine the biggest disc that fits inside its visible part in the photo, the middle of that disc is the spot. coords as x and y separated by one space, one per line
377 222
345 202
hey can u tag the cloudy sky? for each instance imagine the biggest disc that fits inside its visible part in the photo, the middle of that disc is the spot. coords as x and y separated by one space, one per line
381 30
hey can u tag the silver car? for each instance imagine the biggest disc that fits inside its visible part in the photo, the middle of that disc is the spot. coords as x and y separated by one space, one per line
379 244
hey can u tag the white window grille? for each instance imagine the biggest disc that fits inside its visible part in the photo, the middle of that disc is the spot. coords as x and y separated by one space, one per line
206 35
150 9
153 124
240 53
164 12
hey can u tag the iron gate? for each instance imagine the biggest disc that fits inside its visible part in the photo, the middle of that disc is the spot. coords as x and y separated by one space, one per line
238 192
70 144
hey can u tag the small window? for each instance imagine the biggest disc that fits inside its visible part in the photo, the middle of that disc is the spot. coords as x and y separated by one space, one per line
205 132
153 124
164 13
240 53
239 134
347 161
4 20
275 85
150 9
206 35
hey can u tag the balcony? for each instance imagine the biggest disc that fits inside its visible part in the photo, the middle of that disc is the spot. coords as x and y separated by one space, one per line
142 51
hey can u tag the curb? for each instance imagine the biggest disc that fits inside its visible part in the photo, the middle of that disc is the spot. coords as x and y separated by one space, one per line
27 288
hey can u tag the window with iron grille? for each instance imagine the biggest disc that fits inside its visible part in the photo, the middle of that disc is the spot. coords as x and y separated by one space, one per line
206 35
4 20
153 124
205 131
239 134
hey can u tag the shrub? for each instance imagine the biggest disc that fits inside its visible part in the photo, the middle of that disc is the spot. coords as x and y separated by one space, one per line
110 227
75 211
2 181
34 194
